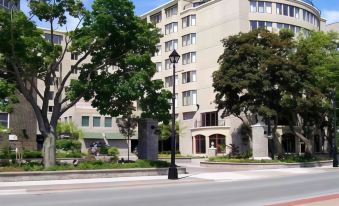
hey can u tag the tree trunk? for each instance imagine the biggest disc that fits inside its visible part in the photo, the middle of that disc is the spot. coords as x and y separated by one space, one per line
49 151
128 144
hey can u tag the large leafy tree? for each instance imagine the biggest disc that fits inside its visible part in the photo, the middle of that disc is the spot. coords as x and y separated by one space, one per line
118 43
318 55
255 73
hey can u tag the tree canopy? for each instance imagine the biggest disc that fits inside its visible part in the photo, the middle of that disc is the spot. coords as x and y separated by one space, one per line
114 48
279 77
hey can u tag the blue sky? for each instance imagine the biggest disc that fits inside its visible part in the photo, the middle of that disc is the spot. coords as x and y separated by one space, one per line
329 8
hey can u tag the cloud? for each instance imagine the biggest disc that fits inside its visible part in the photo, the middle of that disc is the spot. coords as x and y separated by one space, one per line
331 16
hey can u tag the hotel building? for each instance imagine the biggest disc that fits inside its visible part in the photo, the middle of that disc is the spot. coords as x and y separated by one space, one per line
195 29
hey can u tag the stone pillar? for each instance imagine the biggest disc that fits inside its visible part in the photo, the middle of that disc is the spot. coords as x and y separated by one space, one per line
260 141
148 139
212 151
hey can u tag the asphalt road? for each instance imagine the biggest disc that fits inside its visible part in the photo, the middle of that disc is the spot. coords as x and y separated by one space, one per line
188 192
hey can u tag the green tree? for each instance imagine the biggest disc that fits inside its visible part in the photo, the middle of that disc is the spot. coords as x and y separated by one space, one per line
309 107
69 128
127 127
166 132
118 43
255 73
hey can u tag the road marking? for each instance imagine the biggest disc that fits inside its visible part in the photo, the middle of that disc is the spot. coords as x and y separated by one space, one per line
13 192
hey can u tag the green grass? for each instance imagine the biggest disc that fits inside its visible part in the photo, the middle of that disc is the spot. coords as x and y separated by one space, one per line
89 165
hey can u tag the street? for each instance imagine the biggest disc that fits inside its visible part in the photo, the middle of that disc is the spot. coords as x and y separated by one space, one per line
265 188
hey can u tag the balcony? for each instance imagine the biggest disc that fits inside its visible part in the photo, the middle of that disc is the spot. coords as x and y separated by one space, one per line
219 123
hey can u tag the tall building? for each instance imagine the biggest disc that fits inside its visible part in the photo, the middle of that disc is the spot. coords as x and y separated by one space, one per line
10 4
96 127
195 29
22 130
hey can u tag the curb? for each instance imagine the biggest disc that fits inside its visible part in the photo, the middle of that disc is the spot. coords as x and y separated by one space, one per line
83 174
265 165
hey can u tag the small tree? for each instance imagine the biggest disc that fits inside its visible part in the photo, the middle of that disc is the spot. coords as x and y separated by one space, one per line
166 131
127 127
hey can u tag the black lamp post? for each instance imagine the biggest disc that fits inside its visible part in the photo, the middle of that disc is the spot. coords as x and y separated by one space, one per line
334 149
173 171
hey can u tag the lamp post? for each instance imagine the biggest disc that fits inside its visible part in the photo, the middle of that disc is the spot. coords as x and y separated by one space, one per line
173 171
334 149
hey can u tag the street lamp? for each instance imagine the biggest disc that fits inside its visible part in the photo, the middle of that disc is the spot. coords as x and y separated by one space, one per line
334 150
173 171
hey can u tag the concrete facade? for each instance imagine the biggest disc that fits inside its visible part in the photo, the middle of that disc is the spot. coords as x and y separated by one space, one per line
21 122
195 29
333 27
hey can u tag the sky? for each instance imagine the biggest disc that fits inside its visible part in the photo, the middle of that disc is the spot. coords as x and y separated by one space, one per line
328 8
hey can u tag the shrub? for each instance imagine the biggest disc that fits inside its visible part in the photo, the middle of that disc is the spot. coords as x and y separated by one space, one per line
67 144
114 153
68 154
104 150
31 154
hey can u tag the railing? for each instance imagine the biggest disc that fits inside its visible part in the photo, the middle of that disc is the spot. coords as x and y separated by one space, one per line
219 123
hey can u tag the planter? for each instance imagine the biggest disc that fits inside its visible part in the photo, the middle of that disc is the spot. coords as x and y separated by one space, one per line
234 165
83 174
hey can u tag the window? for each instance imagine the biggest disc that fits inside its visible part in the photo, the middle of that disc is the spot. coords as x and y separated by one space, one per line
50 108
70 118
4 120
171 11
297 10
209 119
269 26
169 81
156 18
188 115
168 64
171 28
108 121
65 119
200 144
268 7
279 9
291 11
171 45
189 39
176 100
253 25
96 121
188 77
285 10
253 6
218 141
189 58
158 66
74 70
261 7
51 95
85 121
261 24
189 98
74 56
57 39
158 50
59 67
189 21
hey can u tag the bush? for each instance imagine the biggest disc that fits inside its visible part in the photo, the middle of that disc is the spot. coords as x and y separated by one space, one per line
103 150
31 154
68 154
67 144
114 153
